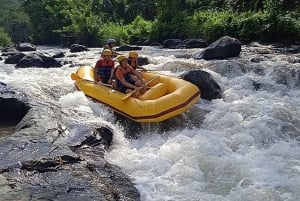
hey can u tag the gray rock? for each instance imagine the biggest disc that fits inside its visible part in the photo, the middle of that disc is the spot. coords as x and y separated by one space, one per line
36 163
208 87
172 43
58 55
194 43
37 60
14 58
78 48
23 47
223 48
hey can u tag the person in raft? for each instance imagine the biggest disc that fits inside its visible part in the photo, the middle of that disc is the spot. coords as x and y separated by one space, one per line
110 44
104 68
133 61
124 81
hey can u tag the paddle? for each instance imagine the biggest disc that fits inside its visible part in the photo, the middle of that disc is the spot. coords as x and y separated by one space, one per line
74 76
131 93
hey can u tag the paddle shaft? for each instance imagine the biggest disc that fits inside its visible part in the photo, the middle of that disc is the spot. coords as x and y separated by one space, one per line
131 93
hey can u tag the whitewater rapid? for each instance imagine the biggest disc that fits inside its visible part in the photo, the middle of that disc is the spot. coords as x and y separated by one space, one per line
244 146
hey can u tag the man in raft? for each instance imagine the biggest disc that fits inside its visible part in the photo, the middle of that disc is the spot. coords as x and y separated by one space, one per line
104 68
110 44
124 79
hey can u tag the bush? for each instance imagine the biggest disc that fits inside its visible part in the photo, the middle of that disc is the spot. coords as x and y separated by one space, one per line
114 30
139 31
5 39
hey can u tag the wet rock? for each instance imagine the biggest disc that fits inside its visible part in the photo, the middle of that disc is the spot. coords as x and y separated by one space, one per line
59 55
36 163
9 51
194 43
12 111
23 47
37 60
229 69
208 87
1 59
128 48
78 48
14 58
143 61
172 43
224 47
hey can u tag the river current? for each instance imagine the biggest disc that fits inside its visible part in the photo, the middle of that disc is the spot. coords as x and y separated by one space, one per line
245 146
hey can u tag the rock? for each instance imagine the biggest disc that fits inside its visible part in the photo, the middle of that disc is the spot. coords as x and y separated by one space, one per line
0 58
78 48
8 51
37 60
36 163
23 47
172 43
194 43
59 55
229 69
15 58
128 48
12 111
223 48
208 87
143 61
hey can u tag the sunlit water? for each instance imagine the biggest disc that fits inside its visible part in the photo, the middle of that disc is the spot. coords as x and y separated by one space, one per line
245 146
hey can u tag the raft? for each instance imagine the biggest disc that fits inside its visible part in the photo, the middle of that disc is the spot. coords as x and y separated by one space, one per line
165 97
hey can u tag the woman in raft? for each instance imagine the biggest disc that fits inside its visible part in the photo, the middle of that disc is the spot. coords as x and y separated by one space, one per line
104 68
123 75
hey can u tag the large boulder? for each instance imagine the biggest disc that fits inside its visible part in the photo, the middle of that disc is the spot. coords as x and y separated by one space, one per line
204 81
194 43
143 61
37 60
15 58
23 47
78 48
128 48
223 48
172 43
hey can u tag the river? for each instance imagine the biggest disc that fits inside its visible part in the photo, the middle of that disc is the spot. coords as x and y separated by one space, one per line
244 146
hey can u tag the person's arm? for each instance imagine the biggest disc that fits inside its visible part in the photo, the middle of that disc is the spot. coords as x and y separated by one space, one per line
127 84
138 75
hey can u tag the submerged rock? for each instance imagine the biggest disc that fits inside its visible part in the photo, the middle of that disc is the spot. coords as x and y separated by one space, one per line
223 48
208 87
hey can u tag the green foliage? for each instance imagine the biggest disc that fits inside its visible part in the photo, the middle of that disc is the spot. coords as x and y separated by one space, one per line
139 30
114 30
5 40
91 22
14 20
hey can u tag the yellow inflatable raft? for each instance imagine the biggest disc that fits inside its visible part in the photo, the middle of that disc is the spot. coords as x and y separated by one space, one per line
166 97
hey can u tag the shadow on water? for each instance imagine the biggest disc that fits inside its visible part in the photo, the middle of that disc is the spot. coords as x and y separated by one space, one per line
11 113
193 118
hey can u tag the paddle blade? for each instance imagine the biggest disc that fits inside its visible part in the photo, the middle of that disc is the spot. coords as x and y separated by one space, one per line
74 76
